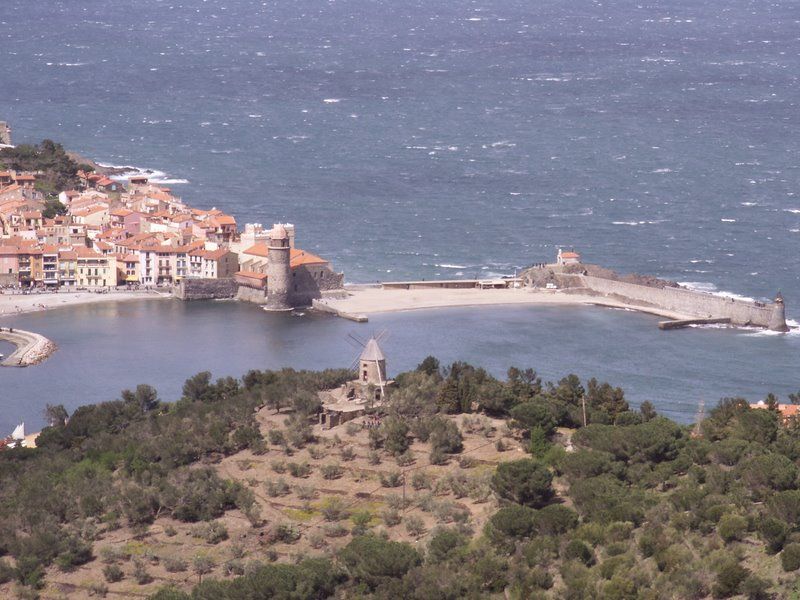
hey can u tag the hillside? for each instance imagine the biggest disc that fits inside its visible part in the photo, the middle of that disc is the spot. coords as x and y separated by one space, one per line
461 485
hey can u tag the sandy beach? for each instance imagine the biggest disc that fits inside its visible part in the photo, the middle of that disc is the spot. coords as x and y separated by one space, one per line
14 304
372 300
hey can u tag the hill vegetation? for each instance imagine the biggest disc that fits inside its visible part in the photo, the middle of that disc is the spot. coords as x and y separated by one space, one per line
58 169
470 487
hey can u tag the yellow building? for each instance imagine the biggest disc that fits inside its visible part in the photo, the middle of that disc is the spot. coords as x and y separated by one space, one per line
95 270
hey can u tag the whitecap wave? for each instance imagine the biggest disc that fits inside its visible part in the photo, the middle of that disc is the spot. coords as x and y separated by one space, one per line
331 100
794 211
709 288
448 266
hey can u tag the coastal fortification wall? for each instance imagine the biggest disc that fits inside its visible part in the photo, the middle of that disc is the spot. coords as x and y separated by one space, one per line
206 289
309 283
683 301
250 294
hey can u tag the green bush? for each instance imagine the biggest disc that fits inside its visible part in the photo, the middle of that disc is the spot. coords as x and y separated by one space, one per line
790 557
578 550
523 481
732 528
113 573
372 560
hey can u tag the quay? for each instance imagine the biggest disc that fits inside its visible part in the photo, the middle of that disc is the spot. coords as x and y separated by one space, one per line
31 348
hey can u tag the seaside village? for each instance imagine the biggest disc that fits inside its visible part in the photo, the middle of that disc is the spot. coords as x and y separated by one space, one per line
142 235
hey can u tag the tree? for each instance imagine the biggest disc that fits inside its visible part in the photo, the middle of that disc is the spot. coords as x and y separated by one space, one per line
445 436
56 415
429 366
397 440
525 481
306 402
533 414
202 564
372 560
648 411
145 397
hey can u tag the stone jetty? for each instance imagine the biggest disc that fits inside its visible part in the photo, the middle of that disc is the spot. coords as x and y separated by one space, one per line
32 348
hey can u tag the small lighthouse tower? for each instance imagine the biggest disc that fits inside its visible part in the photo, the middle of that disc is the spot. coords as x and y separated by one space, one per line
279 272
777 322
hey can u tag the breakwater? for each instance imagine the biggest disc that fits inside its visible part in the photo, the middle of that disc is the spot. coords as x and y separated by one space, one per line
701 305
32 348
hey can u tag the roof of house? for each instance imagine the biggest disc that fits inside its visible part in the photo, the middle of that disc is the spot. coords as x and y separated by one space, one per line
298 258
251 275
570 255
258 249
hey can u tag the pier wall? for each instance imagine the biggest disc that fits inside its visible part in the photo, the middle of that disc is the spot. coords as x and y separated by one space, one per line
206 289
32 348
687 302
251 294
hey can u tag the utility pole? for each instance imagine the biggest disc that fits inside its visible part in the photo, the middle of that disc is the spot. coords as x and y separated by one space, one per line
583 403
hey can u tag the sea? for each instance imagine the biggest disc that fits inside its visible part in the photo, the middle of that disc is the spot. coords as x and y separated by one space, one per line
449 139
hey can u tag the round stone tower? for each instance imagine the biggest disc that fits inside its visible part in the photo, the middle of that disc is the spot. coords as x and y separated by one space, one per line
279 272
372 364
777 322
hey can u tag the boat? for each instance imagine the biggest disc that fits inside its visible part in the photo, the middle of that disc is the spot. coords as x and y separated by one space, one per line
17 437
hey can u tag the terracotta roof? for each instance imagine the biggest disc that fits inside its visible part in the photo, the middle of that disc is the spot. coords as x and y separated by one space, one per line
214 254
68 254
570 255
120 212
259 249
299 258
251 275
226 220
24 178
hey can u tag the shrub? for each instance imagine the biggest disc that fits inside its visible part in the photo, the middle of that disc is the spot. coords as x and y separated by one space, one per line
348 453
555 519
374 457
372 560
140 574
523 481
335 530
396 436
405 459
414 525
729 577
445 544
420 480
277 487
392 479
213 533
533 414
361 521
299 470
515 522
113 573
352 429
732 528
445 436
275 437
578 550
305 492
790 557
332 471
333 509
774 532
175 564
437 457
278 466
391 517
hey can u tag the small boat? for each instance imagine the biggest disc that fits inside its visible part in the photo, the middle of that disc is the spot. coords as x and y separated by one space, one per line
17 437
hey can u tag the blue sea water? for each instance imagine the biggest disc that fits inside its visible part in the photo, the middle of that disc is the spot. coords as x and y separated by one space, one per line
456 138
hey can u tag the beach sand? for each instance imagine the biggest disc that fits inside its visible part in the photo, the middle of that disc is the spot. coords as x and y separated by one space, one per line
372 300
14 304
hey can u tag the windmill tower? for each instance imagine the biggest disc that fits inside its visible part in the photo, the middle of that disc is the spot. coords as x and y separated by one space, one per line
697 431
371 363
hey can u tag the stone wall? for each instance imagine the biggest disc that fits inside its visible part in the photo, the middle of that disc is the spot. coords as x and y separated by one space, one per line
308 283
251 294
679 300
205 289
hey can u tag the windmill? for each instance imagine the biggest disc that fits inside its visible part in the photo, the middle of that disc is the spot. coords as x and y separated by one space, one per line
370 364
697 431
